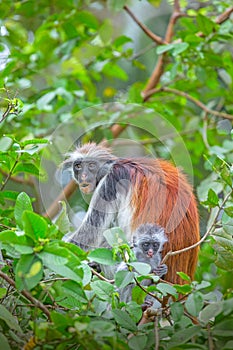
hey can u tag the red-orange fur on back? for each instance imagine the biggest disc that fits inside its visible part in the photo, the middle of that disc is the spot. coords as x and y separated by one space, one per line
162 195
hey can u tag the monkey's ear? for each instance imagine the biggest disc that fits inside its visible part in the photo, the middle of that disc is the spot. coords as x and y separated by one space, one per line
103 170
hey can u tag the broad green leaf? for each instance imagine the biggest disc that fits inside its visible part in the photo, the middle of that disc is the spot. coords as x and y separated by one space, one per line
10 320
194 303
123 278
177 311
184 276
141 268
113 70
205 24
103 289
23 202
229 211
224 328
164 48
75 290
178 48
166 289
3 292
115 237
29 272
19 243
121 40
87 18
210 311
138 342
62 221
183 289
103 327
183 335
26 168
102 256
10 195
34 225
4 342
124 320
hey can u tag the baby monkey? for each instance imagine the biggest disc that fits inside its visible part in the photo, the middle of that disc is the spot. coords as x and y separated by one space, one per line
148 241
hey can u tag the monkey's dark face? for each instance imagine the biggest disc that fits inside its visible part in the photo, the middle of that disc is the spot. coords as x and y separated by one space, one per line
85 173
149 247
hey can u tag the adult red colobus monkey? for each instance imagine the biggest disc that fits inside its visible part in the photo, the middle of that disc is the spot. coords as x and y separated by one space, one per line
131 192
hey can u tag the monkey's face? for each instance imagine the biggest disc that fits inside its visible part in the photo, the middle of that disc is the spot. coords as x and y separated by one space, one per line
85 173
149 247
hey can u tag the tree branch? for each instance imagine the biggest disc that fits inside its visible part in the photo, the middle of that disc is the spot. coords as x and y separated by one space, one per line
27 295
208 232
159 68
224 16
146 30
190 98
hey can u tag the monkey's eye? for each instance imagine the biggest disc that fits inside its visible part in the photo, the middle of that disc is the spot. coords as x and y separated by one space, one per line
78 166
92 166
145 245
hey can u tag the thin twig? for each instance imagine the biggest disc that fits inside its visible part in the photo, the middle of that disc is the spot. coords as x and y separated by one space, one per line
146 30
224 16
9 175
101 277
159 68
27 295
208 232
149 293
190 98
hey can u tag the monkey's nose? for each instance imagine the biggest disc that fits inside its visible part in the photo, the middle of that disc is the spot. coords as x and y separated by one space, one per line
84 176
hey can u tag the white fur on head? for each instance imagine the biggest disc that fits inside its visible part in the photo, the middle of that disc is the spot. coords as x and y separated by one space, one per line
91 150
153 230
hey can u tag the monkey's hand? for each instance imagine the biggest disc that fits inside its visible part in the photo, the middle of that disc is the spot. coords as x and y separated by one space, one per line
160 270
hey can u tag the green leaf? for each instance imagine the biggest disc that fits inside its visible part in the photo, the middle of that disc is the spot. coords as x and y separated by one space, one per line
103 289
223 329
124 320
229 211
212 200
115 237
183 289
4 343
20 243
210 311
178 48
123 278
45 100
205 24
26 168
34 225
121 40
141 268
88 19
33 142
62 221
177 311
3 292
138 342
28 273
183 335
10 320
23 202
184 276
166 289
194 303
113 70
116 5
226 175
164 48
62 261
102 256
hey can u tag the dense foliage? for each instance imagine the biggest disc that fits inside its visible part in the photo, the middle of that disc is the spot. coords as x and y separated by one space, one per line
83 69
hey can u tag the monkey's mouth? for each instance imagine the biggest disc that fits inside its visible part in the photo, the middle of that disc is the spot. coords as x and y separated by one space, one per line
150 255
86 187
